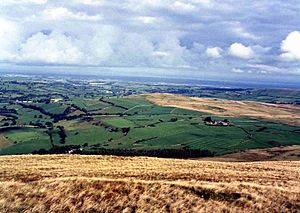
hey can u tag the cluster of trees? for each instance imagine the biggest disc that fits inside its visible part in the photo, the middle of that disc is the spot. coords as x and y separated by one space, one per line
10 116
59 150
162 153
4 110
104 125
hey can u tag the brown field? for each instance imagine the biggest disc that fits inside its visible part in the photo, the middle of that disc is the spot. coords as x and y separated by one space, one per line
4 141
74 183
283 113
268 154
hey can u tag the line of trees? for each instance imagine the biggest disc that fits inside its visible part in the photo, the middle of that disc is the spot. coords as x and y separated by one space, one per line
113 104
162 153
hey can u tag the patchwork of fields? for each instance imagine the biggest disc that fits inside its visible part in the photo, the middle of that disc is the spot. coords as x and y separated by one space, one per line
60 117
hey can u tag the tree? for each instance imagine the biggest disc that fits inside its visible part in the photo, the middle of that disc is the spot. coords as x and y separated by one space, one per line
49 124
62 134
49 132
5 124
14 122
208 119
125 130
173 119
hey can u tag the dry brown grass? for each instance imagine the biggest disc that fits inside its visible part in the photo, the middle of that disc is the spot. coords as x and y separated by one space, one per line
284 113
4 141
73 183
267 154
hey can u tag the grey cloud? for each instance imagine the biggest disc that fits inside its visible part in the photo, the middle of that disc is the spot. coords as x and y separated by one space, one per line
147 33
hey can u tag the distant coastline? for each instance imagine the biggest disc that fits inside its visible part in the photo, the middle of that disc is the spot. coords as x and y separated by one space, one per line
162 80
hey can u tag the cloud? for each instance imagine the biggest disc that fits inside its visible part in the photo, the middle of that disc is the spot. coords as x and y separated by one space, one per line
237 70
214 52
106 46
54 48
241 51
60 13
152 33
23 2
263 68
291 46
147 19
89 2
9 39
178 5
241 32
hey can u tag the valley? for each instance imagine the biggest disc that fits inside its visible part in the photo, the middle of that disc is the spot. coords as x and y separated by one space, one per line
122 118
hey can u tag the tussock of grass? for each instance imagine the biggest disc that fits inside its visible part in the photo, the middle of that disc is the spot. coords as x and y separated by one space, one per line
70 183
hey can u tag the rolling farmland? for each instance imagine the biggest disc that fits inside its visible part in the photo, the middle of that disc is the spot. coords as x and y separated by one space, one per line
73 115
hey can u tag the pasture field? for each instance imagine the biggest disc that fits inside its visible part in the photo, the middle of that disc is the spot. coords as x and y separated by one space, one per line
153 127
73 114
158 131
25 140
79 183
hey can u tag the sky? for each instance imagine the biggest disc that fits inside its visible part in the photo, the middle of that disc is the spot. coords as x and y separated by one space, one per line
217 39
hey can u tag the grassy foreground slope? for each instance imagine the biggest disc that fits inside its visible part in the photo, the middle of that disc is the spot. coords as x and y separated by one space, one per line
72 183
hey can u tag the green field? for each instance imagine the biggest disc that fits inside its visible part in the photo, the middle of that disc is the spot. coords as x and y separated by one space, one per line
154 127
62 114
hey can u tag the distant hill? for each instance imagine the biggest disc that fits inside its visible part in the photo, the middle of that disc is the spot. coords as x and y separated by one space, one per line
283 113
267 154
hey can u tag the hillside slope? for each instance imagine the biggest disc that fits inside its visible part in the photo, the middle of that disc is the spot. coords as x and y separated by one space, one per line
282 113
72 183
282 153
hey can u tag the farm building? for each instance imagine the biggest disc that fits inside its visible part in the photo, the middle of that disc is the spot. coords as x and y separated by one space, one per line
210 122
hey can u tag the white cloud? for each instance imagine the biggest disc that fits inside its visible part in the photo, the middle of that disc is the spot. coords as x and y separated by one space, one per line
106 46
54 48
90 2
57 13
9 39
182 6
150 33
22 2
244 34
241 51
263 68
64 13
266 68
237 70
147 19
291 46
214 52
